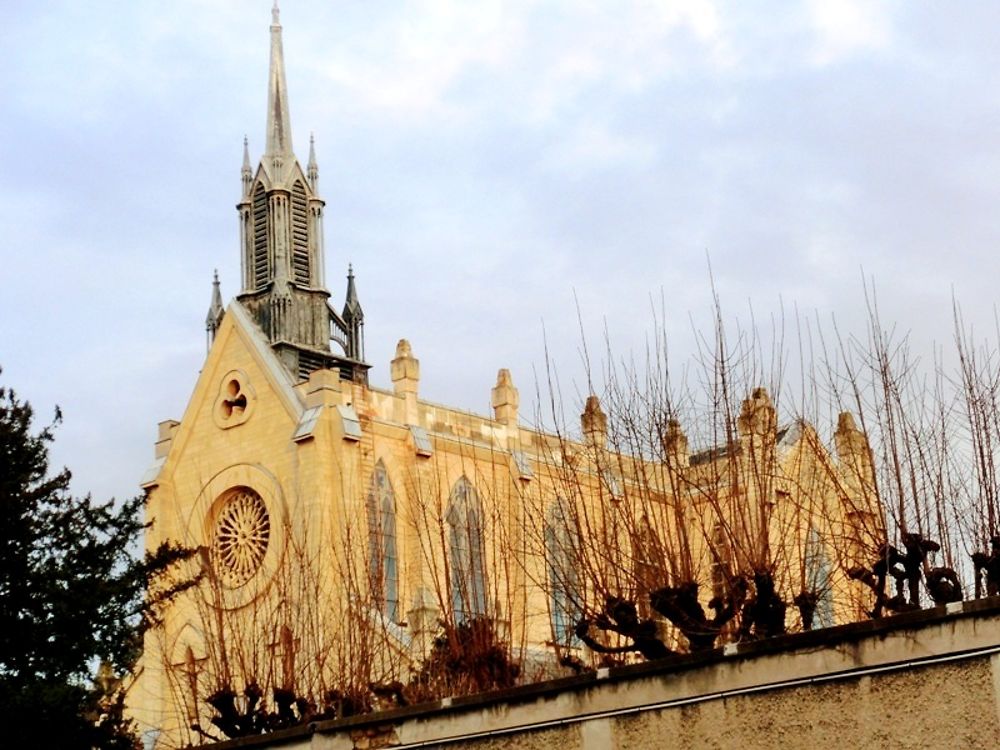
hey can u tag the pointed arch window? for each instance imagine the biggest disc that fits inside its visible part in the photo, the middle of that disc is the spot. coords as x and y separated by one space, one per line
465 539
819 578
647 561
301 266
563 576
261 263
283 652
382 558
722 560
190 669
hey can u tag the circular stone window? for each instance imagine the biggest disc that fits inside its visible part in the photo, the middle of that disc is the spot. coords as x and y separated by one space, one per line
242 532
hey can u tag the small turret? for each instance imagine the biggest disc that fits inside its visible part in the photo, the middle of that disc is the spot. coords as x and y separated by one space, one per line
505 399
404 369
312 169
215 311
594 422
354 319
675 445
758 419
246 173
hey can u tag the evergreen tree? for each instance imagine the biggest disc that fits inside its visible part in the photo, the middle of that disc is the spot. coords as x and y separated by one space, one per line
72 596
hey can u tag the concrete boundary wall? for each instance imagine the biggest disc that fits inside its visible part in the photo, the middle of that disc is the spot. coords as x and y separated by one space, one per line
924 679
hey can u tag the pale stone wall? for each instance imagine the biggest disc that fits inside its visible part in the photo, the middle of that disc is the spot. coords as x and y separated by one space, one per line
926 680
314 486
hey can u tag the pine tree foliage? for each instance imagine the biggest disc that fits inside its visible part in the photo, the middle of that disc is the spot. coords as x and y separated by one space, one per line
72 596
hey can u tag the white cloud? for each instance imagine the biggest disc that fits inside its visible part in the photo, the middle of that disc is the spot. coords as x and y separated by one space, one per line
412 64
848 27
543 54
594 146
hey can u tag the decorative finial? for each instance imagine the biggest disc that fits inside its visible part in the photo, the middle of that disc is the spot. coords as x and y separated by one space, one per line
274 14
215 310
312 169
246 172
354 317
352 307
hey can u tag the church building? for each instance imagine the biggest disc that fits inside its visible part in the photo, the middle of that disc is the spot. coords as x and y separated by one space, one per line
343 526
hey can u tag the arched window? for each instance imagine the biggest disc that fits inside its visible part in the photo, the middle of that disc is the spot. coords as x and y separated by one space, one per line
285 649
563 577
188 676
465 539
819 579
301 271
190 669
382 560
722 561
647 564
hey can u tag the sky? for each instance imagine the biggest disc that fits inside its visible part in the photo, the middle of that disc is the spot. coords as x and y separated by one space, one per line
501 175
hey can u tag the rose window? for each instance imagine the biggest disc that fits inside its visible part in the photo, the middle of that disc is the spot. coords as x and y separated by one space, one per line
242 532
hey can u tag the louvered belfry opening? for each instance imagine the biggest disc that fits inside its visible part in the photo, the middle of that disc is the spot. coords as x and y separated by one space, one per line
301 267
261 261
310 362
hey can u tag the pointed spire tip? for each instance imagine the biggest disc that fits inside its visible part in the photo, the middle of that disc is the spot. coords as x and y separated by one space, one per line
246 161
312 158
278 130
352 307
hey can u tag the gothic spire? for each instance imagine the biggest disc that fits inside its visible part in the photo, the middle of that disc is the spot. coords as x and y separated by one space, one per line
352 306
279 131
281 240
354 318
215 310
312 169
246 173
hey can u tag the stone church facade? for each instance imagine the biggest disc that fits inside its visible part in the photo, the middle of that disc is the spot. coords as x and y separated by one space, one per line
343 525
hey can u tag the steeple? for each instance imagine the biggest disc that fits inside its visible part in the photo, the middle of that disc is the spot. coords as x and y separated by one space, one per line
279 129
352 306
354 318
215 311
281 236
246 173
312 169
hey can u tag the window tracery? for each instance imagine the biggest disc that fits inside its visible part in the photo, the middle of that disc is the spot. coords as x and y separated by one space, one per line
241 536
465 524
382 556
